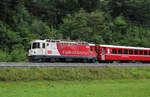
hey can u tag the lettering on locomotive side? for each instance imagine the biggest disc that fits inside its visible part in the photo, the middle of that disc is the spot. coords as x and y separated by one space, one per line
74 52
73 47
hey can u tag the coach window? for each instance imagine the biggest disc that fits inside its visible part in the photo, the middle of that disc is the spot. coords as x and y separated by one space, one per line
125 51
120 51
130 51
136 52
141 52
114 51
145 53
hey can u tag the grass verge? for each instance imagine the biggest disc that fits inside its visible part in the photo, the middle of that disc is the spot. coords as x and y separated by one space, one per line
69 74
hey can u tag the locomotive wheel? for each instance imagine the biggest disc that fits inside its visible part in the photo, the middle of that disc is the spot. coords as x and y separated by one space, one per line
84 60
92 60
40 60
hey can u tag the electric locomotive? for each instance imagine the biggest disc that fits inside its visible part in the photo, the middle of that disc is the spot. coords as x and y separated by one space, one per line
57 50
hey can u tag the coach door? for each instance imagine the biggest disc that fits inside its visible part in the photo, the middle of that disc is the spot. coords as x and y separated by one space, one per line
102 54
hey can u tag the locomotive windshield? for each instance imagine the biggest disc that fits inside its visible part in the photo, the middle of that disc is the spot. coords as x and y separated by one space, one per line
35 45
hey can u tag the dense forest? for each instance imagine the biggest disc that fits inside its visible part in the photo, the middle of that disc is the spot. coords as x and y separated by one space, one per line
118 22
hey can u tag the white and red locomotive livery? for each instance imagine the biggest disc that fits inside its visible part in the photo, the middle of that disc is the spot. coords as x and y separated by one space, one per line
57 50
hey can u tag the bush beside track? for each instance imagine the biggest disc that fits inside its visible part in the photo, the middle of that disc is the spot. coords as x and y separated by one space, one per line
68 74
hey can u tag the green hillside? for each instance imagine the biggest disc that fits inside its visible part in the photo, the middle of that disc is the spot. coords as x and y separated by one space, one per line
119 22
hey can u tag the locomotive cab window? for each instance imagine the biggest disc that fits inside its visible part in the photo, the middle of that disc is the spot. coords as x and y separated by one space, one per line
35 45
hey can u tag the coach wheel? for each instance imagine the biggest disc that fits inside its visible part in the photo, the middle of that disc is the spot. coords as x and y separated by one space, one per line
52 60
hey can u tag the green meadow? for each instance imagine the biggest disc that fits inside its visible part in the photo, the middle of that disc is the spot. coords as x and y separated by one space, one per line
103 88
75 82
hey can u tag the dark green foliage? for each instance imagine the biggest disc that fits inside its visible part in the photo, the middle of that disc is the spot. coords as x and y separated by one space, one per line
18 55
7 37
120 22
136 36
84 26
4 56
134 10
57 74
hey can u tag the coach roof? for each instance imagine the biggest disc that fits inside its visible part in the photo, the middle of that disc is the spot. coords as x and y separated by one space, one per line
126 47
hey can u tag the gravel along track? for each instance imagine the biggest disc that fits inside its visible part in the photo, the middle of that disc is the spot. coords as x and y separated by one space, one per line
64 65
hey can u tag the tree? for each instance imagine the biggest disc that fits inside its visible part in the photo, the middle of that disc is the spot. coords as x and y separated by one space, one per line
136 36
7 37
137 11
84 26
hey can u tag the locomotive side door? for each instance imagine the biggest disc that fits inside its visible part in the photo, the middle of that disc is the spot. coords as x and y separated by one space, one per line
43 48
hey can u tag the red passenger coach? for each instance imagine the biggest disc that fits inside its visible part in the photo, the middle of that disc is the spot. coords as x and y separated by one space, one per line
122 53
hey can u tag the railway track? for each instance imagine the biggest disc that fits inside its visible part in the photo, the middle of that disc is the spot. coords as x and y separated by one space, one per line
65 65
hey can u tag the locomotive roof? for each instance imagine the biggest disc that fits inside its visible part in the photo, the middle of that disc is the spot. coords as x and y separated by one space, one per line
127 47
61 41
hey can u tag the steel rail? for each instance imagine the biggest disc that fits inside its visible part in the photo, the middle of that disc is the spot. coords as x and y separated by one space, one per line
64 65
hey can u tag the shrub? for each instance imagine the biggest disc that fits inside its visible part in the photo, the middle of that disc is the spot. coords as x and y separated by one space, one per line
4 57
57 74
18 55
